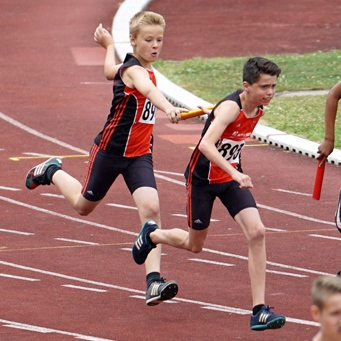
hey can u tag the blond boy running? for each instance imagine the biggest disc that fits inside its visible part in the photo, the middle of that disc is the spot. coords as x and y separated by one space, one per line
124 146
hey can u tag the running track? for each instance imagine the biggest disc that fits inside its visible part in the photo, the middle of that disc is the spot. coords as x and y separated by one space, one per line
65 277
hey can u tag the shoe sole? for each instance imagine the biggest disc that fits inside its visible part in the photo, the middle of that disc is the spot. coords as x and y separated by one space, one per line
275 324
167 293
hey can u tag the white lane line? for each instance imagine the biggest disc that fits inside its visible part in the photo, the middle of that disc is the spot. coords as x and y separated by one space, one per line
138 292
44 330
10 189
52 195
17 232
144 297
210 262
135 234
43 136
286 273
76 241
291 192
123 206
43 210
19 277
169 179
169 173
275 230
295 214
270 263
83 288
185 216
326 237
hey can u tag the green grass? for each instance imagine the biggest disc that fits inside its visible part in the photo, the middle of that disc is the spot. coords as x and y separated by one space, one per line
214 78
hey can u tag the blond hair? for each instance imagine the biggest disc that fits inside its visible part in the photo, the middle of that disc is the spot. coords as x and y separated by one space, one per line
143 18
323 288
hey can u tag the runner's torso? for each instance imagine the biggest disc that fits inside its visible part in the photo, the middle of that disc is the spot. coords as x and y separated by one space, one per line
200 170
129 126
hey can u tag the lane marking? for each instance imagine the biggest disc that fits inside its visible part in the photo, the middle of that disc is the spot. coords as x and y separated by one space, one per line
135 234
169 179
44 330
10 188
18 158
52 195
326 237
43 210
291 192
270 263
19 277
169 173
286 273
139 292
83 288
123 206
17 232
76 241
296 215
210 262
38 134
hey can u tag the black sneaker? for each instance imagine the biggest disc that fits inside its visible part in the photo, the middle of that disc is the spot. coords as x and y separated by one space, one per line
338 214
142 245
266 319
161 291
37 176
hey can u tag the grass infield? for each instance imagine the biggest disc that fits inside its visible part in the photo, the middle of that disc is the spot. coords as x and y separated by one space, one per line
214 78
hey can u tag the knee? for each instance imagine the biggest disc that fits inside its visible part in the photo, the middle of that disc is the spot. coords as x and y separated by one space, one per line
195 248
151 211
257 234
83 211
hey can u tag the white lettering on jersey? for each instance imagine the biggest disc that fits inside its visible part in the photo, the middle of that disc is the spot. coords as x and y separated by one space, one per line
230 150
148 113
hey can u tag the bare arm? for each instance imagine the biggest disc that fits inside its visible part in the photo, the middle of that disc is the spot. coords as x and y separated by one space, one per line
140 80
327 145
225 113
103 38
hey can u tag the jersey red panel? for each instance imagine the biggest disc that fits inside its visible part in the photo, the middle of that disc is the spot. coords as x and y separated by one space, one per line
201 170
129 126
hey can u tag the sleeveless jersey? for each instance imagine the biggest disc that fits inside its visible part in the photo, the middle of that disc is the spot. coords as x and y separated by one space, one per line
129 126
200 170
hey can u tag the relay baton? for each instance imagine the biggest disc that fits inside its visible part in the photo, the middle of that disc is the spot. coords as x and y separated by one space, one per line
193 113
318 180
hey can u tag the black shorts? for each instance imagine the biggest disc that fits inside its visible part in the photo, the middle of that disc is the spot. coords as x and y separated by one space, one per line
103 169
200 201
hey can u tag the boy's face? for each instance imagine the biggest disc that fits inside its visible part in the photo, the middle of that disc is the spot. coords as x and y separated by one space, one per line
329 317
147 44
262 91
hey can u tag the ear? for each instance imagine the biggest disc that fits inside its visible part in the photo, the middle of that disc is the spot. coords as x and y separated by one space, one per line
246 86
132 40
315 313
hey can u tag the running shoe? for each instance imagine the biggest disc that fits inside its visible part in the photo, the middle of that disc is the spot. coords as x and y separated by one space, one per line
38 176
143 245
338 214
160 291
266 319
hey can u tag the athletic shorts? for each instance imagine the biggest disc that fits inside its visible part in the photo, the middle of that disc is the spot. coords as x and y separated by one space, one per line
103 169
200 201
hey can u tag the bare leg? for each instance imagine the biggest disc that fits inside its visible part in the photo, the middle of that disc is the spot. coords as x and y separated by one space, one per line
71 189
147 202
254 230
193 240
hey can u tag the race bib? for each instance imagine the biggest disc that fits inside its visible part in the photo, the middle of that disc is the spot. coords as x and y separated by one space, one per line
148 113
230 150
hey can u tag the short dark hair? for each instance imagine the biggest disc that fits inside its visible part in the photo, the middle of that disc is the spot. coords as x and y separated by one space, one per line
256 66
